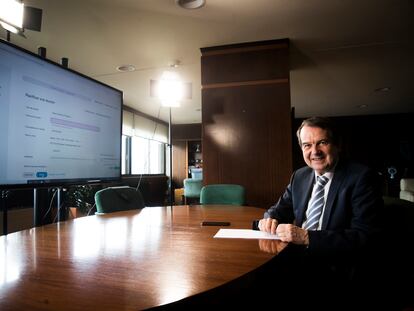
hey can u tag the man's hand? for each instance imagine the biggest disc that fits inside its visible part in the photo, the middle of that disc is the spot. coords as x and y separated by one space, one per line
268 225
286 232
291 233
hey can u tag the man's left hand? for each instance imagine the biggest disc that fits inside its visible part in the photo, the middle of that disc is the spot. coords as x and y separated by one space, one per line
292 233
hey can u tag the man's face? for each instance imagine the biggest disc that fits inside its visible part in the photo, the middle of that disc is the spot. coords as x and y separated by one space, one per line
318 151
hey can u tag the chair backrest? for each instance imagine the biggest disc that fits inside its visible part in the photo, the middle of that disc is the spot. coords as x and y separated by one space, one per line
407 189
192 187
115 199
223 194
197 173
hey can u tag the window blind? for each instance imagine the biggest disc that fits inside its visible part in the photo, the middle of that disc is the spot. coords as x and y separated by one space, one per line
136 125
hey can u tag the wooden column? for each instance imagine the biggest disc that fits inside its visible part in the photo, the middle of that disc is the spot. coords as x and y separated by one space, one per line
246 118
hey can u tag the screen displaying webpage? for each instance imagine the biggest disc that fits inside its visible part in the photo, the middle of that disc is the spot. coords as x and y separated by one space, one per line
55 124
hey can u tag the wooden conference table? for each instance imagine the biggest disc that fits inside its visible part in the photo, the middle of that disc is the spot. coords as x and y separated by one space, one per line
129 260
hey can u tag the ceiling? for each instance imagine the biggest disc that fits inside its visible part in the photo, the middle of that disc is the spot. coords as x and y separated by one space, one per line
341 51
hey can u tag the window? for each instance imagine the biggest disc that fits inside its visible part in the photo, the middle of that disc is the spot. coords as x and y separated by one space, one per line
147 156
126 155
143 145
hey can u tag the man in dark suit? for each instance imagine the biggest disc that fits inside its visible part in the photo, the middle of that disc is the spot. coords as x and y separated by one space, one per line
331 213
351 201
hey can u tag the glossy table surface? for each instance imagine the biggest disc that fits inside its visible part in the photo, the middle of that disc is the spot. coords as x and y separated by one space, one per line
129 260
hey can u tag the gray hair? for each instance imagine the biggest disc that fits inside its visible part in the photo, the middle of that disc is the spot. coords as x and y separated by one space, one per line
323 123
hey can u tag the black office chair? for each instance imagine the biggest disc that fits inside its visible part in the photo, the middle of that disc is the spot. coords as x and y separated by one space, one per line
115 199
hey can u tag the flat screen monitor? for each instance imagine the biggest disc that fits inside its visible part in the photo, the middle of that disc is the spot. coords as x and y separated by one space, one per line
57 126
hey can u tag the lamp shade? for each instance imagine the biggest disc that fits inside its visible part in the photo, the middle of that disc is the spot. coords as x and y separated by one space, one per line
170 90
11 15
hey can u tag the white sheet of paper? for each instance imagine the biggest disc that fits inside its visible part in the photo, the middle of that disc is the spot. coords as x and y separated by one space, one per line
245 234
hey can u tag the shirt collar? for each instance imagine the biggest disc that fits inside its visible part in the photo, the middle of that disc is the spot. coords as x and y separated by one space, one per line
329 174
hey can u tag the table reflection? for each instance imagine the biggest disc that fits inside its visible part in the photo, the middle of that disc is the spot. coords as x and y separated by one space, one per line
272 246
10 261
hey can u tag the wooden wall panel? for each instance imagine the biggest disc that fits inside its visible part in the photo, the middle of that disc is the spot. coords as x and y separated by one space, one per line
246 62
247 140
246 125
186 131
153 188
179 163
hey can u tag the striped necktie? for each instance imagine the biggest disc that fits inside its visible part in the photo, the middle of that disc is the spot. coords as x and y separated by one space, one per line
316 204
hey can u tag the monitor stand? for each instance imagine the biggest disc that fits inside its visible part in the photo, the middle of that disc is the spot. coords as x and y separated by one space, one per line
3 204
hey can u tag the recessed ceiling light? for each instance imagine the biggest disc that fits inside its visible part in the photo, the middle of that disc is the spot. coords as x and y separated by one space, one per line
175 64
363 106
383 89
126 68
190 4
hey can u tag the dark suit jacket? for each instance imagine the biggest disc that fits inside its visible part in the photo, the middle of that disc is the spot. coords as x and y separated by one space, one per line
353 211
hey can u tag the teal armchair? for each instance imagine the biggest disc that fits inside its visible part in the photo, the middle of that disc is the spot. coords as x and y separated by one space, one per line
223 194
192 189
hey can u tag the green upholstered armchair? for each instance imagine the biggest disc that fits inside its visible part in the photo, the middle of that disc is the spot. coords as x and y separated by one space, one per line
407 189
115 199
223 194
192 189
